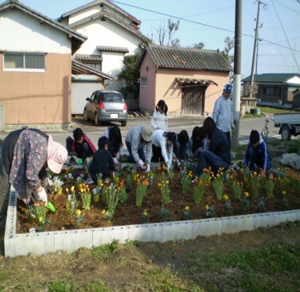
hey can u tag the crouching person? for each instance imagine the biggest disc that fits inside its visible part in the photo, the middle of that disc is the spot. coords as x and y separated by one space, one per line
218 153
257 153
139 146
102 160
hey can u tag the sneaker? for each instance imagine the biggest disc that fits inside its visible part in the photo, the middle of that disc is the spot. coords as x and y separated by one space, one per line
89 181
195 179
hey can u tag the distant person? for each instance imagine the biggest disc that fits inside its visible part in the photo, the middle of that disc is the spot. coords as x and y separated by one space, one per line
102 160
159 119
81 145
162 146
139 146
115 145
181 146
257 153
222 113
218 153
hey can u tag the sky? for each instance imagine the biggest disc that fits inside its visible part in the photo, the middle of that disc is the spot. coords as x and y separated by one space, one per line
210 22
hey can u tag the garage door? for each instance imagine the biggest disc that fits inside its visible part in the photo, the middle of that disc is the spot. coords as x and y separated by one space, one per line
80 91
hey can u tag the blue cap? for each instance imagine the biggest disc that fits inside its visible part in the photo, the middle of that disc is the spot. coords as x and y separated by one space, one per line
227 87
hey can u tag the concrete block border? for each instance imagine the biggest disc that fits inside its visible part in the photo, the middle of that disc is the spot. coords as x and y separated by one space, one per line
46 242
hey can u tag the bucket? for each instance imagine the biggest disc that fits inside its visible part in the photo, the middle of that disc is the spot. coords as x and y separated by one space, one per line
256 111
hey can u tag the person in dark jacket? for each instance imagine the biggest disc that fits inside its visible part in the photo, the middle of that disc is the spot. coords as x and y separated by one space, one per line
81 145
218 154
257 153
102 160
197 141
181 145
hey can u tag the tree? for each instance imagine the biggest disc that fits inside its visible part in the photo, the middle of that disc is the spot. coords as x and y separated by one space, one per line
198 46
229 45
165 34
130 74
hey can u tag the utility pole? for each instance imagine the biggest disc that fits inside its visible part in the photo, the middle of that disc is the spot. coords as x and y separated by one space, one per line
254 57
237 73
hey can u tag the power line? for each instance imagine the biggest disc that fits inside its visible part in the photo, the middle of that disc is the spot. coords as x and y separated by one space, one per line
200 23
285 36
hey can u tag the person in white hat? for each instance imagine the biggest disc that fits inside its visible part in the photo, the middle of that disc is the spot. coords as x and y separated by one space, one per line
222 113
25 154
139 145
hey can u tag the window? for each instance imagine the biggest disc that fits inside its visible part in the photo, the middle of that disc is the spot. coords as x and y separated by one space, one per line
24 62
143 81
272 90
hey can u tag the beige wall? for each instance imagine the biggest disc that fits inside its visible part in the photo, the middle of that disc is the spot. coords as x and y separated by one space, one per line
38 98
169 89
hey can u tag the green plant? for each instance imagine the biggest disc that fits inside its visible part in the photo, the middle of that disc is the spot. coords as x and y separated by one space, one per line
199 191
111 196
105 249
86 197
58 286
245 203
165 190
141 190
40 214
122 195
254 183
186 179
210 211
269 186
79 220
237 189
261 207
228 207
145 216
218 184
285 201
187 215
164 214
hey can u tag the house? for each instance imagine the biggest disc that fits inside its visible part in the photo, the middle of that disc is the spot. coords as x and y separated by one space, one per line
189 80
35 67
274 88
112 33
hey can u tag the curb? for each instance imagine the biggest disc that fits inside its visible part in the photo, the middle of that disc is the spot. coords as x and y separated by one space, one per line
46 242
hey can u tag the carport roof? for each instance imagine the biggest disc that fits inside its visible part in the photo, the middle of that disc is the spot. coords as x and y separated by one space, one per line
79 68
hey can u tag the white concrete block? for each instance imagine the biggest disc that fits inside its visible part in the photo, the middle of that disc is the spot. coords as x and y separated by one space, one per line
177 230
145 232
36 243
108 234
207 227
235 224
73 239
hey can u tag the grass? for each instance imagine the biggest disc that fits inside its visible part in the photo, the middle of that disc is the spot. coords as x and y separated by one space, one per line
272 110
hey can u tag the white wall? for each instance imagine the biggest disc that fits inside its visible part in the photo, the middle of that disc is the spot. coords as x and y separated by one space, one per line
27 32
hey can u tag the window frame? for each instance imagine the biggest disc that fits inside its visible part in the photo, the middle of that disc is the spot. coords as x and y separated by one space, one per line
143 83
24 69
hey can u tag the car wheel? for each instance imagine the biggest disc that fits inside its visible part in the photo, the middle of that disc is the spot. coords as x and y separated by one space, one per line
124 123
96 121
285 133
85 116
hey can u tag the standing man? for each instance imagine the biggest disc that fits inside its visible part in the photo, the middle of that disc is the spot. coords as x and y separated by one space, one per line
222 113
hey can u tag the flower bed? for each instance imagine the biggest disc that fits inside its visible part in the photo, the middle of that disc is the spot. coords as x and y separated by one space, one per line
158 197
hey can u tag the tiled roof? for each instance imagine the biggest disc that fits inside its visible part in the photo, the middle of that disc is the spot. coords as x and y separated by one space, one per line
271 77
193 81
79 68
184 58
103 15
82 57
112 49
79 38
98 2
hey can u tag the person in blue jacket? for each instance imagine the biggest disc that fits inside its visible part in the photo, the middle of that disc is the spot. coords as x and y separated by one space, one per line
257 153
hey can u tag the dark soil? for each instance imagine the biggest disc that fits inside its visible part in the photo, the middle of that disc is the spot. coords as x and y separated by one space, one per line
128 213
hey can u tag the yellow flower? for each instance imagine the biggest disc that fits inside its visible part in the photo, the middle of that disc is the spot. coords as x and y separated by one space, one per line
41 219
68 207
284 192
78 212
246 194
187 208
167 181
206 207
72 189
103 212
225 197
67 190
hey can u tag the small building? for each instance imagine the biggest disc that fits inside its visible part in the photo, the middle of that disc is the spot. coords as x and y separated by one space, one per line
189 80
112 33
274 89
35 67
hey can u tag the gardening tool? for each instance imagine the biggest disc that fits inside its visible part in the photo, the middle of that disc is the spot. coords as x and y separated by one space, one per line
50 207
